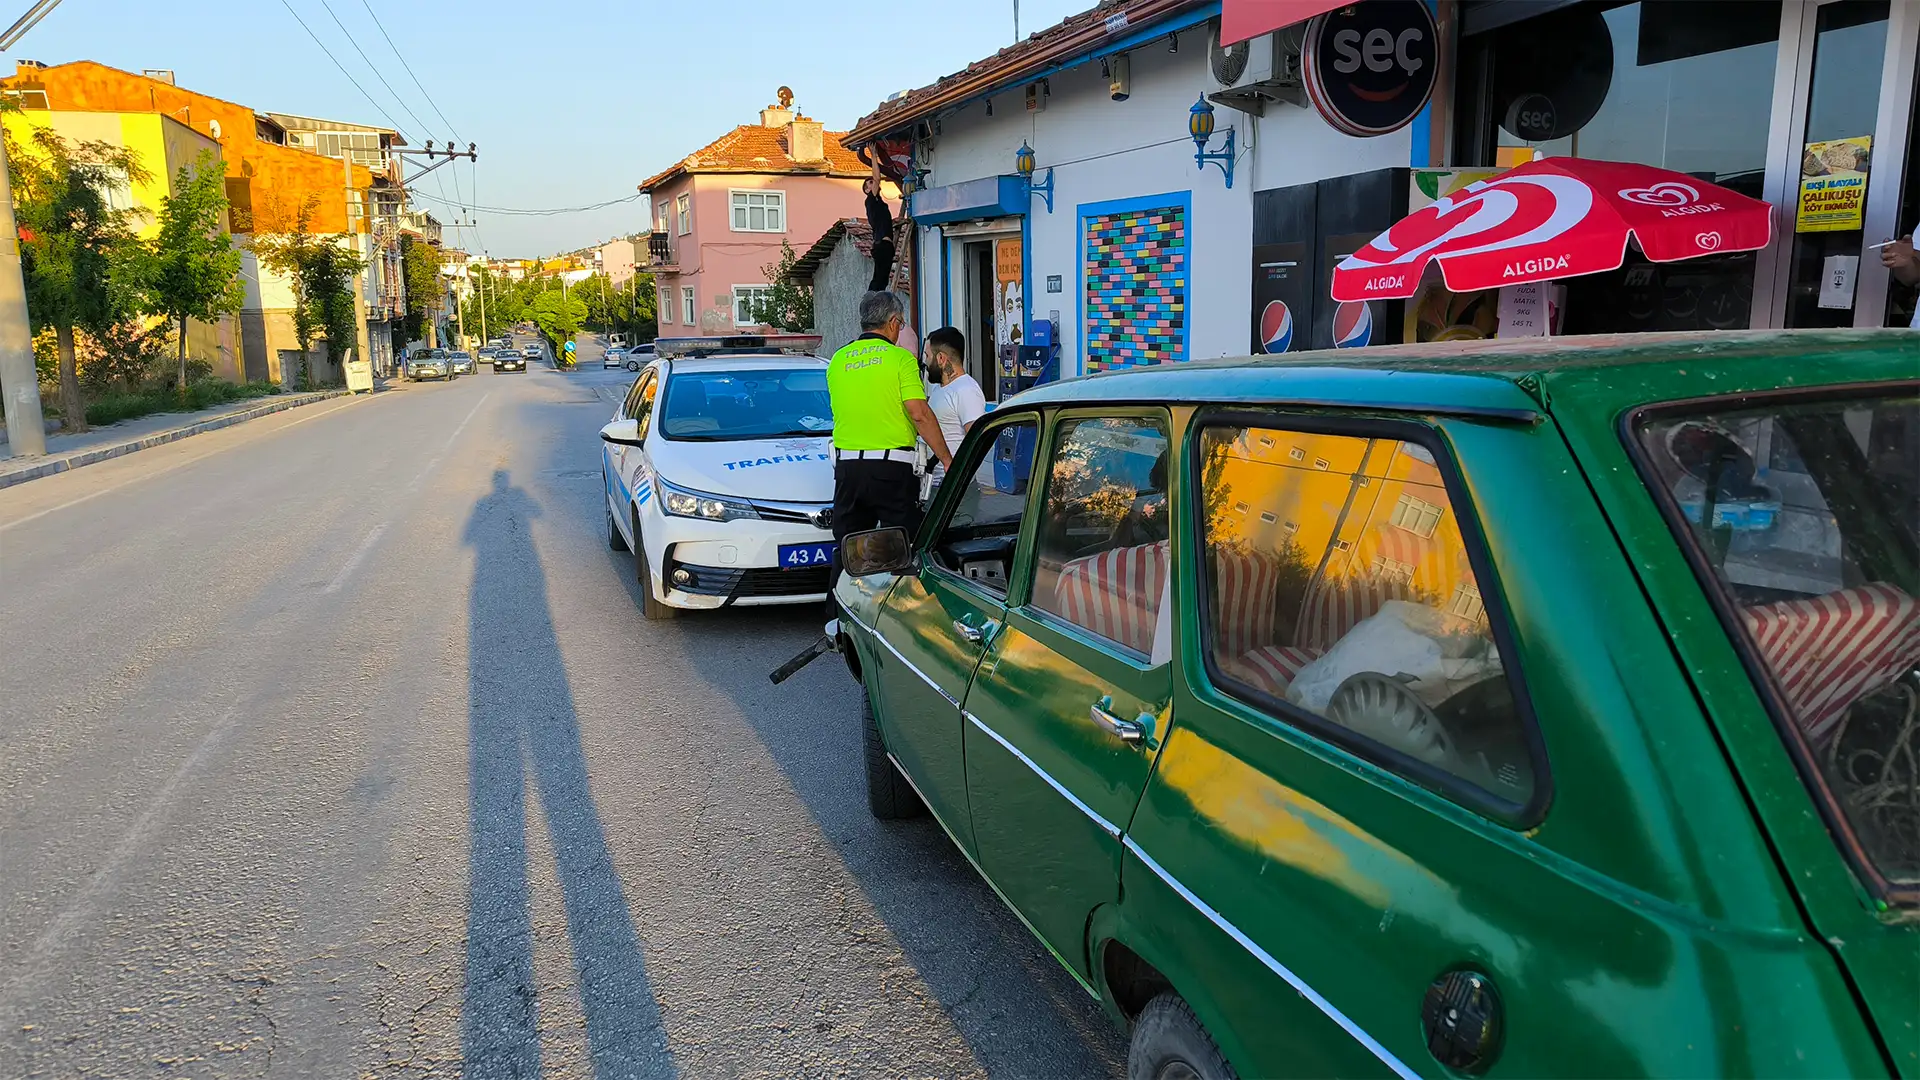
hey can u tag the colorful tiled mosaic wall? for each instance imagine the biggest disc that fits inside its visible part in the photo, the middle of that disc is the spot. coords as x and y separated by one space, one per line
1136 288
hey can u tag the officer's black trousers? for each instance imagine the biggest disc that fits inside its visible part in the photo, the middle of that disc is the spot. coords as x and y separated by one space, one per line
867 495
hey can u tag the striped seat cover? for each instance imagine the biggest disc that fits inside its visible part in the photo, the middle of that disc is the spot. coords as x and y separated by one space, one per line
1115 594
1827 652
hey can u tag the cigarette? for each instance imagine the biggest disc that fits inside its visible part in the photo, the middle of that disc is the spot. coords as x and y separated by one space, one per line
1881 244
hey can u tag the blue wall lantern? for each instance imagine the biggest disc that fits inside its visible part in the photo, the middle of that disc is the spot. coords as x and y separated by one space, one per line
1200 126
1023 164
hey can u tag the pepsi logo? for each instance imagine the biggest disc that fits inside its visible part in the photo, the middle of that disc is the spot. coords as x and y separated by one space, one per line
1667 193
1352 326
1708 241
1276 328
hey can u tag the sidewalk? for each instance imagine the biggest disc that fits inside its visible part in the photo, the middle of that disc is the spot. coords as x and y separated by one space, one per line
66 452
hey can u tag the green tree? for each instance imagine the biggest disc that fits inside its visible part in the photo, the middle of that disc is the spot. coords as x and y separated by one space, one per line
557 317
420 273
190 269
786 305
322 270
73 244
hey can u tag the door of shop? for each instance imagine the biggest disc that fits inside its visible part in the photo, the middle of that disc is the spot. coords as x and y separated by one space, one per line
1843 154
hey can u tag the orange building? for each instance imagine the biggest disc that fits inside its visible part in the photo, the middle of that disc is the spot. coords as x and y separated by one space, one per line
267 181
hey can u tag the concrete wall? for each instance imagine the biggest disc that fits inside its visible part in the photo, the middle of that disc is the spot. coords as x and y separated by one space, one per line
1102 150
838 284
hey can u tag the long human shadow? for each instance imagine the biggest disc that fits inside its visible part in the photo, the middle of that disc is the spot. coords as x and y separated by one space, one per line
521 721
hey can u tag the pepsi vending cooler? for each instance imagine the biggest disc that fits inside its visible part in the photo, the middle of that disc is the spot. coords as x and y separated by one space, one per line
1300 234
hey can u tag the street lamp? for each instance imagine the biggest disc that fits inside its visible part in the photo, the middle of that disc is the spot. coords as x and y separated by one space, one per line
1200 126
1023 164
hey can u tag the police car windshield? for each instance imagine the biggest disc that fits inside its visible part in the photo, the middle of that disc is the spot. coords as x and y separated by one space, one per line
721 406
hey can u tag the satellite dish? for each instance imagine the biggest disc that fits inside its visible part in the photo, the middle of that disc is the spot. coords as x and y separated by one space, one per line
786 97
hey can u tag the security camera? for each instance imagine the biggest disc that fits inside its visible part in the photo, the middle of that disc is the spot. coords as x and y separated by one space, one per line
1119 85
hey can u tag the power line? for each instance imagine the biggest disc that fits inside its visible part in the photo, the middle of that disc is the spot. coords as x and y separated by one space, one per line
409 67
338 64
548 212
348 34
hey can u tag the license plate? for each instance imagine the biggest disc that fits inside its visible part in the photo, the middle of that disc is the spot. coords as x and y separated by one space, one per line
805 556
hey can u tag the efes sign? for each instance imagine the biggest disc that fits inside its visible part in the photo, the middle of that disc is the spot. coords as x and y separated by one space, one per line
1370 67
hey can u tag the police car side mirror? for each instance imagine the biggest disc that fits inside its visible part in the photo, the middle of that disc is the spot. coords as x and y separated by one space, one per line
622 433
877 551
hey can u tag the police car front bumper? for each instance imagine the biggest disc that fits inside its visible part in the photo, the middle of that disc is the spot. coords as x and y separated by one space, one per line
714 564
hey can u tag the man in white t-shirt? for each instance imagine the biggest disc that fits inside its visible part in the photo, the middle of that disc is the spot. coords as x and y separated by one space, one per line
952 394
1899 259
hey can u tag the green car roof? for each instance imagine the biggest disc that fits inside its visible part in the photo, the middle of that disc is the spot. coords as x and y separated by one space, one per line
1516 378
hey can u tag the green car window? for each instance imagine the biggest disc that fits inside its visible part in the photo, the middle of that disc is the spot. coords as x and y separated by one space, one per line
1341 597
1804 513
977 539
1103 549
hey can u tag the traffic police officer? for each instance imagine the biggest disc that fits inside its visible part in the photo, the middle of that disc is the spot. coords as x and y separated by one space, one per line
879 404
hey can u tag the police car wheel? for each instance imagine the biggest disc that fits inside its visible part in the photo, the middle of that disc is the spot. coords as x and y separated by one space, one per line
614 539
650 609
889 796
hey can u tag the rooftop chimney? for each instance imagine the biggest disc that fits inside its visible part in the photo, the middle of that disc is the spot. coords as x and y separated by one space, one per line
805 143
778 116
164 75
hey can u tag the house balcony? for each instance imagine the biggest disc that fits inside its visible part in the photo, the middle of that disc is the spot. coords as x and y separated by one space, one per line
660 250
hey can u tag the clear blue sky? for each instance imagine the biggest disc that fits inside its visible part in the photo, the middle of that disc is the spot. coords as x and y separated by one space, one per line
572 102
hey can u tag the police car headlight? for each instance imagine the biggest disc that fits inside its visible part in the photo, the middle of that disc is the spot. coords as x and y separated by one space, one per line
697 504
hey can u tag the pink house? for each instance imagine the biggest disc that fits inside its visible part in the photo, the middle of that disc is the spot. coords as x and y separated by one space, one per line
720 213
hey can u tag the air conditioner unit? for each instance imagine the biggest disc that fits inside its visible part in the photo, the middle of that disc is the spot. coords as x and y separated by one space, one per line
1250 75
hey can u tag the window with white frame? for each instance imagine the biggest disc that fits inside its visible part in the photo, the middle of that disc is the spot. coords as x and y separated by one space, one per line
119 188
663 303
759 211
683 206
744 299
686 307
1417 516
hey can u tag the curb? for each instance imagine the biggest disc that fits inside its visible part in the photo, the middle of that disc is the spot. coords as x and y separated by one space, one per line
69 462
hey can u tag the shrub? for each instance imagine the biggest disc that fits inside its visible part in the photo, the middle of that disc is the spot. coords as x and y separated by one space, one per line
114 407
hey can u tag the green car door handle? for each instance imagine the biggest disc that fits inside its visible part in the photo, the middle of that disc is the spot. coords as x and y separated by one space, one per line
1127 731
972 634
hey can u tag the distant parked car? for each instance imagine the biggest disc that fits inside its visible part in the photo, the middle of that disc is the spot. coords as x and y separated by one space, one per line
614 357
640 356
461 362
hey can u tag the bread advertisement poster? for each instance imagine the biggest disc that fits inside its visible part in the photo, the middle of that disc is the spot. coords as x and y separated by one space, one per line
1833 185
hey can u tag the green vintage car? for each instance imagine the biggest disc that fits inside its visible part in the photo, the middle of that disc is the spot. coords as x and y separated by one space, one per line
1519 709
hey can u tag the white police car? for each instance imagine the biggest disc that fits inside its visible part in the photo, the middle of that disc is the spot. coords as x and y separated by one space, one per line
718 470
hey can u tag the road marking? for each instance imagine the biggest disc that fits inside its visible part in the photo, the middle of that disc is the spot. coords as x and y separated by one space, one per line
366 546
144 477
360 556
84 904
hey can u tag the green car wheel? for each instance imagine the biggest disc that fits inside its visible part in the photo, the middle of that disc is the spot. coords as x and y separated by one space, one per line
1170 1044
889 796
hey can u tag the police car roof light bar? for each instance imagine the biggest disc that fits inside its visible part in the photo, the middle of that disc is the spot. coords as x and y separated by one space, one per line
736 343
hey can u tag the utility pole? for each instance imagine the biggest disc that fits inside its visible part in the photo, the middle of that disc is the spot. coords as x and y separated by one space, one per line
460 316
26 425
362 341
483 303
19 382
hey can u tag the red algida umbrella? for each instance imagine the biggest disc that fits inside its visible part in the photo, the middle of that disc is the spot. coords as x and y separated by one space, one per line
1553 218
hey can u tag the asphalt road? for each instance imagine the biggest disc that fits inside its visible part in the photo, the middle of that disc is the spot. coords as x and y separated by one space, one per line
334 745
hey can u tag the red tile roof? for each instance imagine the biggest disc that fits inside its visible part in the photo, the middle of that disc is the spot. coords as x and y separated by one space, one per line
751 148
1020 62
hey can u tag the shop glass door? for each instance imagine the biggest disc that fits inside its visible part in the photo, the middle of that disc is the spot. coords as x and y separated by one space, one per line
1836 154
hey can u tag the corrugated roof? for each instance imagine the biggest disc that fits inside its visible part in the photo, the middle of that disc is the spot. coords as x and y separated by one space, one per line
809 261
751 148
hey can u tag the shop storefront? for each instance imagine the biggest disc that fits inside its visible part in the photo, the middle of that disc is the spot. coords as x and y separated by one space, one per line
1807 105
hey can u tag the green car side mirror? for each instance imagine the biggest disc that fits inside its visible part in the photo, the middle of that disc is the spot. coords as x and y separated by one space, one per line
877 551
